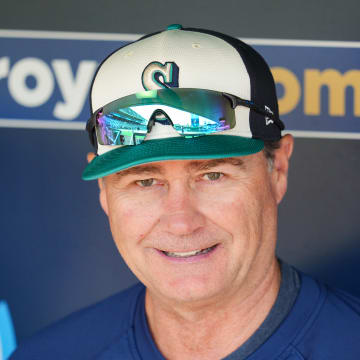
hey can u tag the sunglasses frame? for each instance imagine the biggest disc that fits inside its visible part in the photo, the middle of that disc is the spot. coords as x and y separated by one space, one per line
234 100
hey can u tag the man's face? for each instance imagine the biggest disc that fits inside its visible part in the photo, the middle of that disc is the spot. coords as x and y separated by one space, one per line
195 230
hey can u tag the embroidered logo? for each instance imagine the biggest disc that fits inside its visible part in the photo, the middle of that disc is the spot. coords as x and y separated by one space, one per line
160 76
268 121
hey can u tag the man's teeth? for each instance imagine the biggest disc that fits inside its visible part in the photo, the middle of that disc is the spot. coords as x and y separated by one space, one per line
189 253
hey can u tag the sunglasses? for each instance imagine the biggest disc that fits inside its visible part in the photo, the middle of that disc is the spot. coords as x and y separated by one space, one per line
191 112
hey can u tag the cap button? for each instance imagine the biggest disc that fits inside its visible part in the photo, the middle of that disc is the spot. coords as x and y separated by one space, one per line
174 27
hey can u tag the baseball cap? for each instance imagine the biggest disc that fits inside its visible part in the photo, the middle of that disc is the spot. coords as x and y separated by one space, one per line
184 58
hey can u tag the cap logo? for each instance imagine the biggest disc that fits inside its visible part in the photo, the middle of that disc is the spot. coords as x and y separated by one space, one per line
160 76
268 121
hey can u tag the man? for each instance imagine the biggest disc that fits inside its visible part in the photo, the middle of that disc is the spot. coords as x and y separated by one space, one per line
191 167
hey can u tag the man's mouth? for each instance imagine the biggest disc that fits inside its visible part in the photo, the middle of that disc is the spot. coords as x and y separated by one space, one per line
189 253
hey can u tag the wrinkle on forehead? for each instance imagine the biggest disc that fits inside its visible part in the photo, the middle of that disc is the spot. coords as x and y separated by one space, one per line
193 165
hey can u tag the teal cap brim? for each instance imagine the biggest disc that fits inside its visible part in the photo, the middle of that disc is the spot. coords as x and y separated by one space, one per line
176 148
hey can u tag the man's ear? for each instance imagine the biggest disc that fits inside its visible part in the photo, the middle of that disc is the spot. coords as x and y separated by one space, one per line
102 189
281 166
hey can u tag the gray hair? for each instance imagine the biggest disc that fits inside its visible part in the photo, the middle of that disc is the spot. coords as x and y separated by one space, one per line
269 152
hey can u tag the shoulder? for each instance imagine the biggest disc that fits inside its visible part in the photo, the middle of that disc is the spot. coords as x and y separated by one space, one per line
334 305
96 326
333 324
345 305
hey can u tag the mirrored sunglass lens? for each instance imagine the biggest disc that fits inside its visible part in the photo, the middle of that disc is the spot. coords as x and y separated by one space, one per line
192 112
184 122
124 127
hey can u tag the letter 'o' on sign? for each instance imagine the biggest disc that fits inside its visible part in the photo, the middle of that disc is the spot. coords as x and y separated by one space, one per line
292 89
20 91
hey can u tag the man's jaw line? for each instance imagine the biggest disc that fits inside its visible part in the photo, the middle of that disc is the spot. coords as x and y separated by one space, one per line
201 308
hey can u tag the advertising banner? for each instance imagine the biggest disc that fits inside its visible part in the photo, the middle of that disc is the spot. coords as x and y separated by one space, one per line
45 79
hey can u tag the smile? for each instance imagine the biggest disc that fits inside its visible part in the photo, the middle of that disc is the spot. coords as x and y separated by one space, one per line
189 253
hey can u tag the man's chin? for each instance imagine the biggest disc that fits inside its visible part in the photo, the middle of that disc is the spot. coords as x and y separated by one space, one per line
191 290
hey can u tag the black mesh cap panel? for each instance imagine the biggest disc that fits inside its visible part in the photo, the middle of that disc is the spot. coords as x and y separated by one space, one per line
263 91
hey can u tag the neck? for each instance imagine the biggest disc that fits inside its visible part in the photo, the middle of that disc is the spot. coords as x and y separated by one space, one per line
214 329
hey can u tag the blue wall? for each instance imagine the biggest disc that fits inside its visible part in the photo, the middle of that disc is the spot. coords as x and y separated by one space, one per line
56 251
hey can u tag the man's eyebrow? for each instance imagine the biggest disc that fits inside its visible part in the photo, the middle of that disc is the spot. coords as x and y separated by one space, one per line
209 164
140 170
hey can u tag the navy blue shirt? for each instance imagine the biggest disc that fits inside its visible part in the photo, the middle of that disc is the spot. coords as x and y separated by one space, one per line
323 324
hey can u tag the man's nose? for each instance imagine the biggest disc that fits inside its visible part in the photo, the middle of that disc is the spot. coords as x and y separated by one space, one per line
181 214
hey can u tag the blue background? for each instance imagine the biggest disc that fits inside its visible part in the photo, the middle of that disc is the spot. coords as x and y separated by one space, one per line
56 251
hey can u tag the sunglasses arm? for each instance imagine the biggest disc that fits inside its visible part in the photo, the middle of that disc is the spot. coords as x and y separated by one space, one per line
236 101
